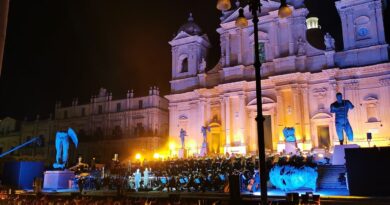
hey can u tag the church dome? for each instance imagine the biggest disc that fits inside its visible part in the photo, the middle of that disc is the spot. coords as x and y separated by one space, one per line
191 27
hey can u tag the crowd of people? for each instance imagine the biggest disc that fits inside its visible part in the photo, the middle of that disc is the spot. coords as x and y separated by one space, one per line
80 200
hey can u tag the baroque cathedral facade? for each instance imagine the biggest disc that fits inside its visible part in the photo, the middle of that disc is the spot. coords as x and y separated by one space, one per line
299 81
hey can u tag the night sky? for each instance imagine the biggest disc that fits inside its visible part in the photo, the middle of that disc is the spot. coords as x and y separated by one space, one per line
59 50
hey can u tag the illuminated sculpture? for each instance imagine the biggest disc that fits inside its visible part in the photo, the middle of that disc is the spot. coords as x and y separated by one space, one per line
289 134
329 42
62 147
183 134
289 178
204 131
137 179
340 108
146 178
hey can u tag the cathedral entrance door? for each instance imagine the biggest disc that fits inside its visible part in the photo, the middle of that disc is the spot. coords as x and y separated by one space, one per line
323 136
268 132
214 139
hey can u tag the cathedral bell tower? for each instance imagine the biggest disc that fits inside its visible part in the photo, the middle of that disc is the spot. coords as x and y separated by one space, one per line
363 33
189 51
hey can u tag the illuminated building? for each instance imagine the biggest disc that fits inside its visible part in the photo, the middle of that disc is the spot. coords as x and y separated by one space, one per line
125 126
300 81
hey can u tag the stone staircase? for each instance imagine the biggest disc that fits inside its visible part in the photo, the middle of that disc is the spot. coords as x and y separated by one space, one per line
331 177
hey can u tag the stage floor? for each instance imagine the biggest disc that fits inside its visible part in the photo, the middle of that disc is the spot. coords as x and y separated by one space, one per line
271 192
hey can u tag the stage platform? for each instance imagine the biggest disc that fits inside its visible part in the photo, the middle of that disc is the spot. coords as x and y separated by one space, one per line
328 196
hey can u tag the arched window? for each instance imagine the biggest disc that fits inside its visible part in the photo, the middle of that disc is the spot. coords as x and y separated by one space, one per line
184 65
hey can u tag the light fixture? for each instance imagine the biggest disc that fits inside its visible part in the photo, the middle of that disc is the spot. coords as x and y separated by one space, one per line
241 21
224 5
284 9
138 156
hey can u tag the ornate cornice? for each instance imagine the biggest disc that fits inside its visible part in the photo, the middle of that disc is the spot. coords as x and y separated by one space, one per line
384 82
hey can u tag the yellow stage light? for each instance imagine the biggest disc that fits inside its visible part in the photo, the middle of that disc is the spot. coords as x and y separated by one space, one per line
156 155
172 145
138 156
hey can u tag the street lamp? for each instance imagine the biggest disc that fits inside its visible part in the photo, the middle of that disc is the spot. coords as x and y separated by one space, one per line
241 22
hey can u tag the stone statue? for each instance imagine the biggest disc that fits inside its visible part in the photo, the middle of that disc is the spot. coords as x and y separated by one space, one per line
203 65
289 134
301 47
204 131
340 108
62 147
329 42
183 134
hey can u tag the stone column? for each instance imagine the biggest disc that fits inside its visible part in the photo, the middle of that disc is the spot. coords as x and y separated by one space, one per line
275 30
280 115
253 132
291 42
240 47
223 117
227 47
306 115
297 113
173 123
350 38
355 117
202 104
227 120
242 119
208 112
377 14
384 111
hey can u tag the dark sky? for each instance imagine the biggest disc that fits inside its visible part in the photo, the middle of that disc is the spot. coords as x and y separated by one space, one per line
58 50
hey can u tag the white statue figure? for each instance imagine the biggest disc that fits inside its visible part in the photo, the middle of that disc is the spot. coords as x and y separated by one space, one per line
146 178
204 131
341 108
183 134
203 65
329 42
301 47
137 179
62 147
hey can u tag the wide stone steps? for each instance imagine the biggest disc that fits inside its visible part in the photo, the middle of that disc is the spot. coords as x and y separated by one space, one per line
331 177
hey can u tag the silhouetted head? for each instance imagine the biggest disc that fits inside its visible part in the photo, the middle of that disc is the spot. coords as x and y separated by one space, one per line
339 97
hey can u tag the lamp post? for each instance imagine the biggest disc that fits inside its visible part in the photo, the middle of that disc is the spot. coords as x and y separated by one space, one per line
255 8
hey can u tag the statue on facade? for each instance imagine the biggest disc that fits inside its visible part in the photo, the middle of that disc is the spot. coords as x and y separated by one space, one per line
204 131
183 134
341 108
289 134
291 141
329 42
62 147
301 47
203 65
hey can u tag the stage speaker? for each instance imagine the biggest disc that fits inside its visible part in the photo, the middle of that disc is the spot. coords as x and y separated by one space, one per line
369 136
368 171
